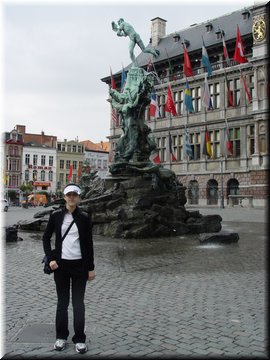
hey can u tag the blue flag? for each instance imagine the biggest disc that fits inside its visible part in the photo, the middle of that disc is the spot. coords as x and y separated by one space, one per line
205 60
188 148
123 79
188 99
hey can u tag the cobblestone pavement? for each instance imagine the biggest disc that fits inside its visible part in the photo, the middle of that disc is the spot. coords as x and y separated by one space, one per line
151 298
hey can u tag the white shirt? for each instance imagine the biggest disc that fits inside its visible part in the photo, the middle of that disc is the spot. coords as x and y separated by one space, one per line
71 249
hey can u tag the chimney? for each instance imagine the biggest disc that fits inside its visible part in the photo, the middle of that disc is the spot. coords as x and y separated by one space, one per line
158 30
20 129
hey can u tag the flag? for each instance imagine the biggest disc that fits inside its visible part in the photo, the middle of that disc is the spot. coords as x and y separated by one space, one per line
123 79
187 64
70 173
205 60
239 49
225 51
169 106
188 99
243 78
206 150
229 92
154 109
114 116
188 148
171 149
113 85
79 171
228 146
155 157
150 66
206 98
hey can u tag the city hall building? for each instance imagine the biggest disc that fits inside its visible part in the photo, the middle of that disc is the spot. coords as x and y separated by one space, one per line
238 113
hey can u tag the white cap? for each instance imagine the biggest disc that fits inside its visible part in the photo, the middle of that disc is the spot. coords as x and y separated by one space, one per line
72 188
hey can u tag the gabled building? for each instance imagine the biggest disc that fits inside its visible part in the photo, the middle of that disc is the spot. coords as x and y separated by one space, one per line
239 94
70 157
12 162
97 156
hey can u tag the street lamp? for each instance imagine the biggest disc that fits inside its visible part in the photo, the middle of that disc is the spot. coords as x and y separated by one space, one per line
222 192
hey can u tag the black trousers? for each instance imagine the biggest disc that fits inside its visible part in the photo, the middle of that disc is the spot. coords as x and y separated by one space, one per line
70 274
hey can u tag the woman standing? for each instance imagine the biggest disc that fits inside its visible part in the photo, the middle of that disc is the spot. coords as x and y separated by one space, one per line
72 261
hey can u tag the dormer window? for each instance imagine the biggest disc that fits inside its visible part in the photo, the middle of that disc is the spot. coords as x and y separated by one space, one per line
186 43
209 27
245 14
176 37
219 34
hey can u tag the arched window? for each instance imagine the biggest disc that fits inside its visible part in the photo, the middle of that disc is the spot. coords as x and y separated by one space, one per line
233 189
193 192
212 192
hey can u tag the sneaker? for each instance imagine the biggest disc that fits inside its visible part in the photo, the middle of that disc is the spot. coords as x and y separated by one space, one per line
59 345
81 348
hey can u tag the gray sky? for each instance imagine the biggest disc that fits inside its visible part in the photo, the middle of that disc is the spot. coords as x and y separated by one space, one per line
55 55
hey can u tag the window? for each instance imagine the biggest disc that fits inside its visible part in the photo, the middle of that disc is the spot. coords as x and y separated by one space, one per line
163 149
67 164
215 95
74 165
59 147
42 175
180 153
69 148
50 175
80 148
67 175
235 139
62 164
34 175
16 151
63 147
105 164
251 85
161 102
61 178
26 175
195 140
43 160
179 102
215 140
50 160
99 163
196 98
235 88
11 151
250 140
35 159
74 178
174 145
74 148
27 159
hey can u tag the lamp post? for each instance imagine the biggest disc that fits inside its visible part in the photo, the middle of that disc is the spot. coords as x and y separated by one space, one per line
222 192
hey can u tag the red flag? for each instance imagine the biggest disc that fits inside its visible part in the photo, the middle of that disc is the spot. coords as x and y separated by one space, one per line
170 147
169 106
187 64
225 51
228 144
239 49
79 171
156 159
70 173
243 78
113 85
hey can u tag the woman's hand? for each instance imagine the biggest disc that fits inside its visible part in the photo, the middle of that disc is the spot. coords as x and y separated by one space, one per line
91 275
53 265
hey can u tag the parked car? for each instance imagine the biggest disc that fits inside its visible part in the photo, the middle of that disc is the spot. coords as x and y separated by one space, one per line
5 205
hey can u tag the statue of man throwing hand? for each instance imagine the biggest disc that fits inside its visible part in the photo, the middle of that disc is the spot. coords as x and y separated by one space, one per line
125 29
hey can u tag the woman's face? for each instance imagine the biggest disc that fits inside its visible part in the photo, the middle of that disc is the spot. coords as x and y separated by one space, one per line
72 199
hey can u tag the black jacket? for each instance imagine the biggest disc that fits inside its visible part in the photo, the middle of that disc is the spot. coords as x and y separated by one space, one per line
84 224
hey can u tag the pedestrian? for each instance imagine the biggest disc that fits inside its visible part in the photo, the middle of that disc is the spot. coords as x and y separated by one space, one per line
72 262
